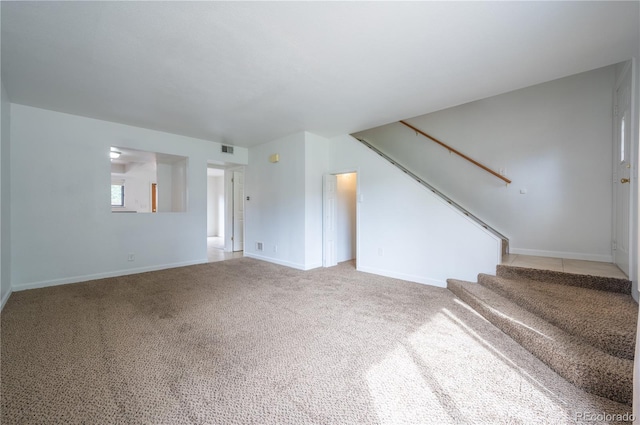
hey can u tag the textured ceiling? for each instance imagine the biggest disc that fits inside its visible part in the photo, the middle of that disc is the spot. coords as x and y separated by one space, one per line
245 73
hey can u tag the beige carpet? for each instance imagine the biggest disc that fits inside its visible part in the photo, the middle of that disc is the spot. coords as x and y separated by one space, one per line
606 320
244 342
585 334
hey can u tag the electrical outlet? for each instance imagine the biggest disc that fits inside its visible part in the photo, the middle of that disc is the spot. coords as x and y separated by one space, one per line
380 252
275 248
131 257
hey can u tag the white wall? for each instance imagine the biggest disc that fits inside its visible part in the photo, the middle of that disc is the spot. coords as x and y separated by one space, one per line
416 231
137 186
285 207
63 228
634 274
316 162
165 187
553 139
275 213
346 216
215 206
635 227
178 185
5 198
405 231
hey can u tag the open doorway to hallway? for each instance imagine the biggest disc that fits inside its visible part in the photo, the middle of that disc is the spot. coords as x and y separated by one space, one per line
225 213
340 218
215 214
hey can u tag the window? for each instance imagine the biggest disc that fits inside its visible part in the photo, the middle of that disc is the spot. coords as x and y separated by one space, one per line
623 156
117 195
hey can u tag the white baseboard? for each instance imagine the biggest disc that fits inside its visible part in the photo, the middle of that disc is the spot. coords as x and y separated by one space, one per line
5 299
276 261
313 266
403 276
561 254
84 278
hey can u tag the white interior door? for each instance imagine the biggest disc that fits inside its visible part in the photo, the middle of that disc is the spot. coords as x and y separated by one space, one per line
329 221
238 211
622 166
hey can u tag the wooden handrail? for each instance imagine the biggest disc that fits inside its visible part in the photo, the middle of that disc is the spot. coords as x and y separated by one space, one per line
450 149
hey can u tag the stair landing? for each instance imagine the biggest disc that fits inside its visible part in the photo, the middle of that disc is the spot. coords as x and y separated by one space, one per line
593 268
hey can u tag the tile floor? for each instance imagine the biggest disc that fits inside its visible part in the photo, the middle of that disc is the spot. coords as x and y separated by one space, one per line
215 250
593 268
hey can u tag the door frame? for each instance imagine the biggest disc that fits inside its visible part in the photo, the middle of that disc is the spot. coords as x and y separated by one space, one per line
358 210
224 192
228 206
631 67
627 71
154 197
634 214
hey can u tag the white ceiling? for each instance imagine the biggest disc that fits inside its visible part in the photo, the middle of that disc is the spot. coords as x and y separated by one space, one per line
245 73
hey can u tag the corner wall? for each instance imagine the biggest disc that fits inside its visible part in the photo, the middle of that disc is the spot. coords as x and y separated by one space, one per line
63 230
285 207
317 150
5 199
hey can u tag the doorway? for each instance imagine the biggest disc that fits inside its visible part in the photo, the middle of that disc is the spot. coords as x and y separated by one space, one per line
225 213
339 218
215 214
622 168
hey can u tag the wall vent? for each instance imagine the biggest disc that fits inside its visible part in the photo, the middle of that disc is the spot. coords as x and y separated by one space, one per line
227 149
259 246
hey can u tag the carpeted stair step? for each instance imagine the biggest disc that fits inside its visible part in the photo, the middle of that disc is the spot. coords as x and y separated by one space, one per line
601 283
606 320
571 357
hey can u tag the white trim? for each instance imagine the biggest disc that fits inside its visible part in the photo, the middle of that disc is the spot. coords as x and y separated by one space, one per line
635 188
348 170
562 254
5 298
628 66
296 266
228 205
84 278
314 266
403 276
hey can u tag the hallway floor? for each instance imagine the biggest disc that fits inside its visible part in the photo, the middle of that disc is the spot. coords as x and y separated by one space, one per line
215 250
594 268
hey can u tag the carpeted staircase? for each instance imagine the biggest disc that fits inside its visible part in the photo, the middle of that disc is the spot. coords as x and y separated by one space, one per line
583 327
